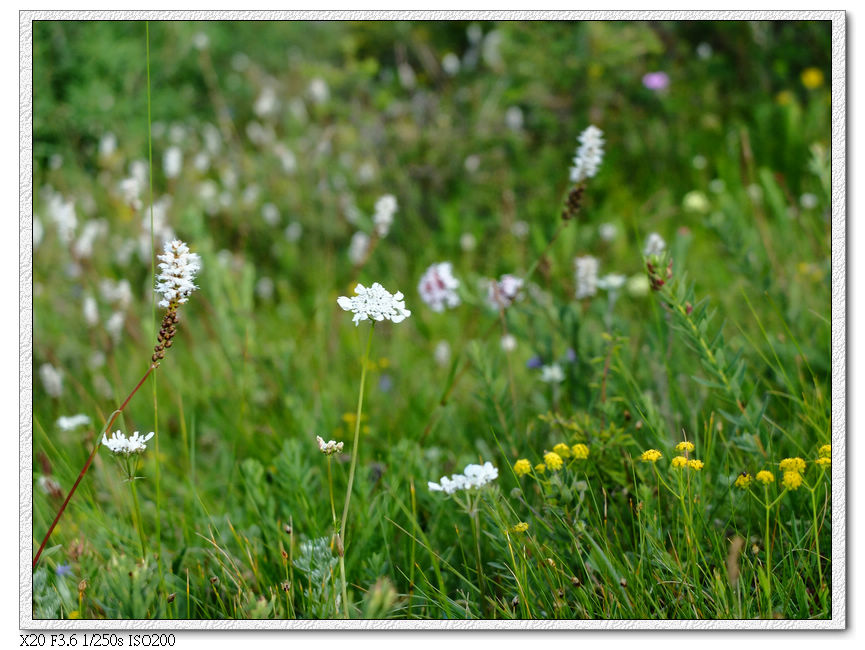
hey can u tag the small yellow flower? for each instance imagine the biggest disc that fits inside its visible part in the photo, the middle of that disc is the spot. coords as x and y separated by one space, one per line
522 467
825 451
784 98
792 480
580 451
553 461
812 78
679 462
520 527
75 614
540 468
765 477
743 480
792 465
650 456
562 450
695 464
384 362
823 461
685 446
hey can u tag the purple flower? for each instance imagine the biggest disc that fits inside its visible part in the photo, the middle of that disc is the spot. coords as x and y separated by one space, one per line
656 80
63 570
385 383
571 356
534 362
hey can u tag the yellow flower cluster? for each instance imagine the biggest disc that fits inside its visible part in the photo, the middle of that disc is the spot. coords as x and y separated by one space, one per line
580 451
679 462
522 467
553 461
812 78
743 481
540 468
792 465
562 450
792 480
650 456
824 461
765 477
825 451
695 464
685 446
520 527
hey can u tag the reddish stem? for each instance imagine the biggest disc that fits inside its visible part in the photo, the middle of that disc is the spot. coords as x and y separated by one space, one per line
87 464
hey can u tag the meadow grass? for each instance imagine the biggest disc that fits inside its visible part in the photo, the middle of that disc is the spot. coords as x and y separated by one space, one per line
287 135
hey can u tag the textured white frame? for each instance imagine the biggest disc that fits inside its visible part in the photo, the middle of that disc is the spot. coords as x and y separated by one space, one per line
839 321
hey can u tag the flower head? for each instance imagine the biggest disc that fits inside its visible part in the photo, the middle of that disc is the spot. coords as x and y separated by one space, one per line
695 464
119 444
503 293
823 461
589 154
679 462
375 303
70 422
562 450
743 481
473 476
812 78
540 468
792 480
825 451
520 527
792 465
553 461
552 374
522 467
650 456
328 448
655 245
385 208
685 446
765 477
586 274
580 451
656 80
179 267
437 287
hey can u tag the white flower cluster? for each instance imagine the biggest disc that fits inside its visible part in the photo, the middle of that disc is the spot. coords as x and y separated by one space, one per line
589 155
52 379
586 272
385 208
612 282
473 476
552 374
375 303
503 293
120 444
655 245
179 266
437 287
359 247
70 422
330 447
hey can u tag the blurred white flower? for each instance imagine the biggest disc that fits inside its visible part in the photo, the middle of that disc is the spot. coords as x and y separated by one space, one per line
130 190
442 353
172 162
509 343
699 162
385 208
655 245
755 192
638 286
514 118
83 247
552 374
62 213
491 49
607 231
52 379
330 447
716 186
264 288
472 163
286 158
468 242
503 293
38 231
177 133
50 486
586 275
200 41
114 325
293 231
201 162
119 444
358 247
406 76
437 287
589 154
451 64
270 214
696 201
179 267
70 422
808 201
118 292
90 310
704 50
318 91
612 282
375 303
267 102
520 229
107 145
473 476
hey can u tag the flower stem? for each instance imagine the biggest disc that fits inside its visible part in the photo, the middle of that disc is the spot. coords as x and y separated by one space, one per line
354 453
137 518
89 461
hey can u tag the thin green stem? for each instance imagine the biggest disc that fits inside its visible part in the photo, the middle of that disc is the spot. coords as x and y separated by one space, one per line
137 518
354 454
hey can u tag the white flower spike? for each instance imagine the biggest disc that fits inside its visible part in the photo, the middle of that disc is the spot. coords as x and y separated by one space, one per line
376 304
589 155
179 267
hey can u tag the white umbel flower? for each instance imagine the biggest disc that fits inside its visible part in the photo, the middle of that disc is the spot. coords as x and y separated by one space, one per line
503 293
330 447
589 155
437 287
473 476
119 444
385 208
375 303
552 374
586 273
179 267
52 379
655 245
70 422
612 282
